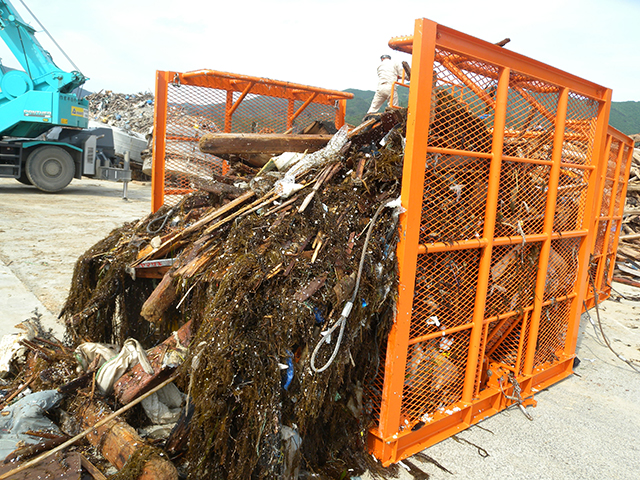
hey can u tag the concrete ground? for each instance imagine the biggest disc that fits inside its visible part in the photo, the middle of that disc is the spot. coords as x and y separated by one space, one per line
585 427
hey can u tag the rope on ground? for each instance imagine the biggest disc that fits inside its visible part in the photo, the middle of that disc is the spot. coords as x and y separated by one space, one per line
606 340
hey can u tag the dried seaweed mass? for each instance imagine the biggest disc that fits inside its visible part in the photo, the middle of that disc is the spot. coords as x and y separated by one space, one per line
262 279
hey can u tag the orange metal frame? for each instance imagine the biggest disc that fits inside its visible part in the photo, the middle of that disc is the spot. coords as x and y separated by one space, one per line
237 88
619 153
486 385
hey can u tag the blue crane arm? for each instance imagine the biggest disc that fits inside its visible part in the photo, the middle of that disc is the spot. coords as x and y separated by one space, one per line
34 59
40 97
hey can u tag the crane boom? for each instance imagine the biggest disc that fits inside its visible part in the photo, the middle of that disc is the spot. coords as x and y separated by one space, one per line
40 97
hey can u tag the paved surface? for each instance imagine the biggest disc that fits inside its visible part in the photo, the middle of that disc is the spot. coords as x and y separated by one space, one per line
585 427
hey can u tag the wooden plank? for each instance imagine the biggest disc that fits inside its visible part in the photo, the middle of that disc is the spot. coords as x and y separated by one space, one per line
91 468
254 143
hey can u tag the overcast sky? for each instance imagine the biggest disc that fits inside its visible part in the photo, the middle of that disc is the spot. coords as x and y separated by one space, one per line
333 44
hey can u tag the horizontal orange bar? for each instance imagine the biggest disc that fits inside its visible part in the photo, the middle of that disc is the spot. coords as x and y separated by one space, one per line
263 86
440 333
439 247
182 139
446 247
464 153
534 161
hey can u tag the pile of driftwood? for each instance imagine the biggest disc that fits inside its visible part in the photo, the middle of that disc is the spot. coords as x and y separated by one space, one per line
627 265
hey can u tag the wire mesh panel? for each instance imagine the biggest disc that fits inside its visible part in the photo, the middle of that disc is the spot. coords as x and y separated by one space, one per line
445 291
192 111
507 191
189 105
455 191
434 376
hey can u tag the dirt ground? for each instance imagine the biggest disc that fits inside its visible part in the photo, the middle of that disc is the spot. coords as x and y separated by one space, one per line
42 235
584 427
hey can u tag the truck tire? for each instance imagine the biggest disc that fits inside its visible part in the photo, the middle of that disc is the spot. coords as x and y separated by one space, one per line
50 168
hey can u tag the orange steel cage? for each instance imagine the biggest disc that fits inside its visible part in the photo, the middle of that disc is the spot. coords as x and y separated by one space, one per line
193 103
505 167
607 224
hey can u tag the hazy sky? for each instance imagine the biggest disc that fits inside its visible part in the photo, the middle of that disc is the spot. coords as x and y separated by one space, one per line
332 44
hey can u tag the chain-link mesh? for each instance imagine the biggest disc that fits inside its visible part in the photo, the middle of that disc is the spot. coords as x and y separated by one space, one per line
512 278
522 199
552 332
530 123
582 113
602 230
507 339
192 111
464 93
562 268
571 199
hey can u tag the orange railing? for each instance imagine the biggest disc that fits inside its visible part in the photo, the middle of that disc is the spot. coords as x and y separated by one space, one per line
504 170
193 103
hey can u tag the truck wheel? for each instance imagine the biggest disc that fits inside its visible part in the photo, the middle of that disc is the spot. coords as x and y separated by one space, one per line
50 168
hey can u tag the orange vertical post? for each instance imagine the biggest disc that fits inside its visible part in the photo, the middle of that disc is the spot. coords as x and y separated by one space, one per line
407 251
543 259
290 106
159 140
489 228
228 114
341 112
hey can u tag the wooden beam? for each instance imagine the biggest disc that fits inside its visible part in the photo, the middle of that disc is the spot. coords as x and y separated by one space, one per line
254 143
117 441
90 430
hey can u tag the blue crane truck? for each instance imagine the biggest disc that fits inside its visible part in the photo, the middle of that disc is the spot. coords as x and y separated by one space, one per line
32 103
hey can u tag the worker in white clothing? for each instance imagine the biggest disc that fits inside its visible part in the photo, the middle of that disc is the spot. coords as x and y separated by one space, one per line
388 73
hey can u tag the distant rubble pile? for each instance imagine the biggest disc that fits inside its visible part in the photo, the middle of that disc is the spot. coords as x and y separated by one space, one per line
132 111
628 266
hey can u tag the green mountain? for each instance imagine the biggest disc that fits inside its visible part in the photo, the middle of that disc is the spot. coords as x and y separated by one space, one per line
357 106
625 116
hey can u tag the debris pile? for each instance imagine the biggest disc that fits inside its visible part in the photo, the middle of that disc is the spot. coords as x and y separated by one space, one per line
241 333
627 264
264 311
131 112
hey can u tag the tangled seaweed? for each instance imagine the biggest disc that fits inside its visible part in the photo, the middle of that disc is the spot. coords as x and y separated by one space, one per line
271 283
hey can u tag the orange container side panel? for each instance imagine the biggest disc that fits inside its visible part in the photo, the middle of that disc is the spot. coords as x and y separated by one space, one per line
191 104
513 190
